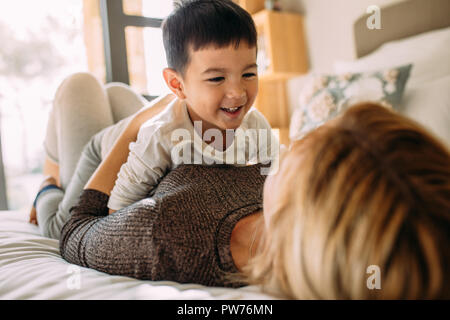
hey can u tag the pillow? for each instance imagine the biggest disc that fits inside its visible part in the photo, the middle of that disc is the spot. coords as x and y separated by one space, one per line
427 98
429 105
325 96
429 52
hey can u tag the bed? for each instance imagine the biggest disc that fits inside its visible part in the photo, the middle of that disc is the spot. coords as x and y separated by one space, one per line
31 267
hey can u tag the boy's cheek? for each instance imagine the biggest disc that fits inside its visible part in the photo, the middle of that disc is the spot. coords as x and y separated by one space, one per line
252 98
254 90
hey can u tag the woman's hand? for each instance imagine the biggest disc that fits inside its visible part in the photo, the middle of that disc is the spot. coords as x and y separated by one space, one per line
47 181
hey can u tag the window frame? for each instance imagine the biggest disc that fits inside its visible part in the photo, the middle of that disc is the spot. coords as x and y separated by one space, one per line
114 22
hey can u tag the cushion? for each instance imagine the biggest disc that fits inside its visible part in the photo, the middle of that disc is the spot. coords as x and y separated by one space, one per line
429 52
323 97
427 98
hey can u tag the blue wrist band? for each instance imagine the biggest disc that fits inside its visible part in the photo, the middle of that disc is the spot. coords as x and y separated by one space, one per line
50 186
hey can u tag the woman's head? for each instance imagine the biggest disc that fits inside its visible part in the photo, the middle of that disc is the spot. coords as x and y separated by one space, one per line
370 188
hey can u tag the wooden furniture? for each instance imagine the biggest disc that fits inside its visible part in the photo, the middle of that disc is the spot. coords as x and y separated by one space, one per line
252 6
282 55
281 35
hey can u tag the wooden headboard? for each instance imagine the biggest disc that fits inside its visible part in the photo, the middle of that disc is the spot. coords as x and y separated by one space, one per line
401 20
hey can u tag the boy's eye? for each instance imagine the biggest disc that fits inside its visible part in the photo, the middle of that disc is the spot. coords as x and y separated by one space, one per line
216 79
249 75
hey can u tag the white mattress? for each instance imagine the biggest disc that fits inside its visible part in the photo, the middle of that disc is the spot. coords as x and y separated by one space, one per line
31 268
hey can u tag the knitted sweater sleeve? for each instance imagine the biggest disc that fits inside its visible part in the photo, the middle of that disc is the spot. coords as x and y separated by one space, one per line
110 243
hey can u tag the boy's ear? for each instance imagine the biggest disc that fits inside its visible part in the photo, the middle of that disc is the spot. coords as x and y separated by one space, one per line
173 81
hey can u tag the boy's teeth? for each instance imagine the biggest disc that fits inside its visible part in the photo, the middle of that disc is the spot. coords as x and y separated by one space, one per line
231 109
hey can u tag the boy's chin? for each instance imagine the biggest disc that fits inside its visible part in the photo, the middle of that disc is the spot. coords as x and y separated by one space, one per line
230 126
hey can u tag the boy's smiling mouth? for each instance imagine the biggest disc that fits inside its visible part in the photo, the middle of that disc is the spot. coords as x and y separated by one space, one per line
232 111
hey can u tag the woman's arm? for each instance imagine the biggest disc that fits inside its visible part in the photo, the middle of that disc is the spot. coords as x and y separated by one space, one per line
105 175
118 244
94 239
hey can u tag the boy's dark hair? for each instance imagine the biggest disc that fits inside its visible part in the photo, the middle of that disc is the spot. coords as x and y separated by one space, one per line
200 23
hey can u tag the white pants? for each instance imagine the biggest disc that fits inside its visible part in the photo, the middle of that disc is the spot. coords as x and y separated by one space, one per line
83 110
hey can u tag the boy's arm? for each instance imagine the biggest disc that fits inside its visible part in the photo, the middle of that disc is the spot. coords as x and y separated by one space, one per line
147 162
105 176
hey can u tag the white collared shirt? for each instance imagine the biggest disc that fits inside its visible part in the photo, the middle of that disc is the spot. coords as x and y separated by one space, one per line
170 139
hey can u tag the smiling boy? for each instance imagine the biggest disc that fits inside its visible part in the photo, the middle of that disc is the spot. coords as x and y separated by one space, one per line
211 53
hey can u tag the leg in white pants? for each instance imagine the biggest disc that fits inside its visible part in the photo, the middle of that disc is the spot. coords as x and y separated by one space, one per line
83 111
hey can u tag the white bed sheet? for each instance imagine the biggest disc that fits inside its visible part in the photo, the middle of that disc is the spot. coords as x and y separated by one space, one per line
32 268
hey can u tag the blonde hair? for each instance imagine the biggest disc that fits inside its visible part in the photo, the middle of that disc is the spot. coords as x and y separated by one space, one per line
369 188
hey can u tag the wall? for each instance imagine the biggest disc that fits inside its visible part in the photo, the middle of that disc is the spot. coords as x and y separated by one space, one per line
329 27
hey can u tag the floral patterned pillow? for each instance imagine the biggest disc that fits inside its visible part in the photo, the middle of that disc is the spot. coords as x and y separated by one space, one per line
326 96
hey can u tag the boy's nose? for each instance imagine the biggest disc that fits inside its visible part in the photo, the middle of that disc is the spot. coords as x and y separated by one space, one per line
235 99
236 93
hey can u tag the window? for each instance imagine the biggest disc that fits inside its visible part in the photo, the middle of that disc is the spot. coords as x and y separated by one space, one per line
134 47
155 56
145 67
148 8
42 43
45 41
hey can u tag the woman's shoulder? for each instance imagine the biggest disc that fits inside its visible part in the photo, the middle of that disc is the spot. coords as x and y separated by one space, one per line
199 207
213 188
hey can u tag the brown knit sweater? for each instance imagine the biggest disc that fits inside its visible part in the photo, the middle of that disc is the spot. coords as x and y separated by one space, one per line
182 233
